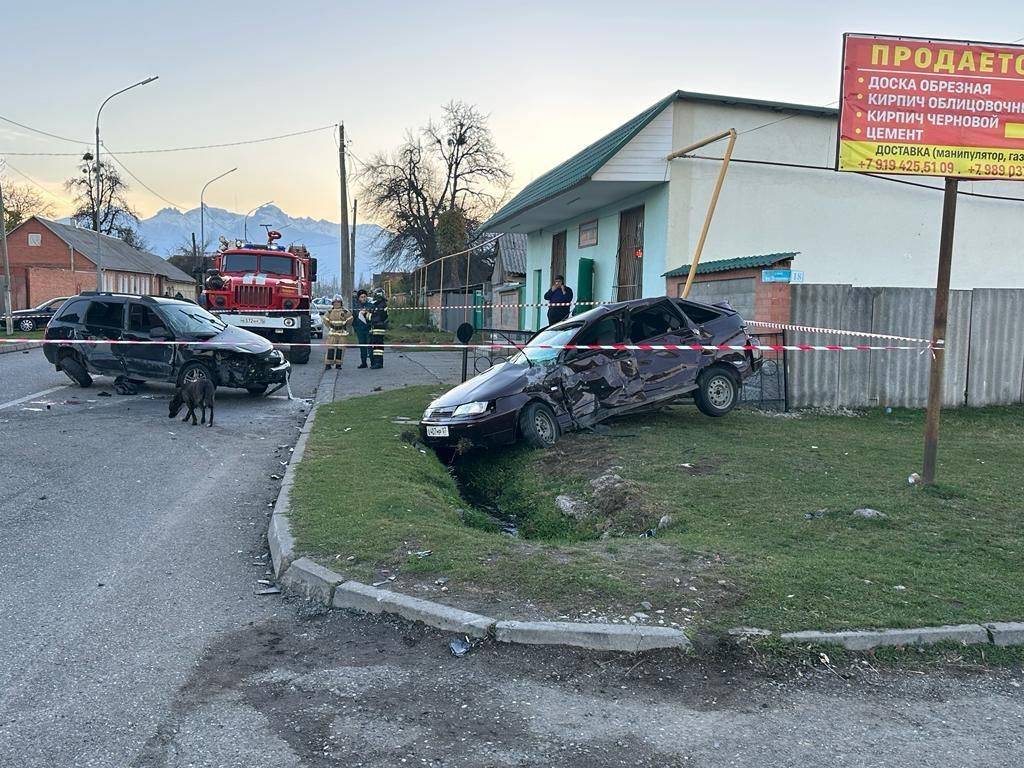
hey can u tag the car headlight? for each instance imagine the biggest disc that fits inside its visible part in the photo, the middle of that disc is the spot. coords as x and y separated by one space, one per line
471 409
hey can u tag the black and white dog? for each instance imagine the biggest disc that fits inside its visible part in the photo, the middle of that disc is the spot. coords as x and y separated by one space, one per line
196 394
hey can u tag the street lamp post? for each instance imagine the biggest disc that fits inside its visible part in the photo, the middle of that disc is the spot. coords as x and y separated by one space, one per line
202 210
245 220
96 200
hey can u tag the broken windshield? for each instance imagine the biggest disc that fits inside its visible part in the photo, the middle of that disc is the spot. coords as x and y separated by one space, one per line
190 320
536 352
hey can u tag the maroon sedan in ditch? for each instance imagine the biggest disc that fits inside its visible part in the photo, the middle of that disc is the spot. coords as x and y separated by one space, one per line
540 393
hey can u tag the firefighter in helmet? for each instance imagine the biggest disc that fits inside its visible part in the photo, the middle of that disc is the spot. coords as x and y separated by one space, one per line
378 327
337 320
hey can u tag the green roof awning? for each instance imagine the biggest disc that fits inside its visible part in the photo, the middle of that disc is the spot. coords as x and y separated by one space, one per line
584 164
740 262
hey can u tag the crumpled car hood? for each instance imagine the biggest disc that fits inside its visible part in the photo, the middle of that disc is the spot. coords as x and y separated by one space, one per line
501 380
234 339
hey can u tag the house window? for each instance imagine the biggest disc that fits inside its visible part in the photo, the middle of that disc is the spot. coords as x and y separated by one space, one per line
557 255
35 239
588 234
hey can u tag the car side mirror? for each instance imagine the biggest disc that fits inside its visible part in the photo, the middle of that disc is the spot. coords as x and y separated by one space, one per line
158 333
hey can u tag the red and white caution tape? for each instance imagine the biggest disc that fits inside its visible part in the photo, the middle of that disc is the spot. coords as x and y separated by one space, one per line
834 331
455 346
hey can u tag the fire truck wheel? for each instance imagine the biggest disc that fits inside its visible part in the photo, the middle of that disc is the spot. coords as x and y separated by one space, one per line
298 355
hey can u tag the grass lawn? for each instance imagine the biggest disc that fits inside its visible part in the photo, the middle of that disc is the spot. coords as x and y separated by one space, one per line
738 549
36 334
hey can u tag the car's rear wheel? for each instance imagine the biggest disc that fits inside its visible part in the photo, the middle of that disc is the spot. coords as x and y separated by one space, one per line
718 391
76 371
192 372
26 324
539 426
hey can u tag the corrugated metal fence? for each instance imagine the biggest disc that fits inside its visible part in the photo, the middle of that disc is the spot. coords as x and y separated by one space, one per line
984 342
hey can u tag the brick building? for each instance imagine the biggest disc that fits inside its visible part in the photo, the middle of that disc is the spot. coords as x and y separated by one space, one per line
50 259
740 282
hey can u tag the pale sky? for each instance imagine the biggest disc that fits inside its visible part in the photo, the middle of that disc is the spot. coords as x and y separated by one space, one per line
553 77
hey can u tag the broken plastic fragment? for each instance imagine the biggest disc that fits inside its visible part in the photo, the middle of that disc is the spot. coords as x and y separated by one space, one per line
460 647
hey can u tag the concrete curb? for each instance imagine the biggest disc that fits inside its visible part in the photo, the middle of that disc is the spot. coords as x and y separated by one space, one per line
359 597
857 640
279 534
6 348
598 637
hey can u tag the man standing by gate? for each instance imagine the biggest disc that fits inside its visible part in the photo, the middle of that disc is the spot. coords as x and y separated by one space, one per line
559 298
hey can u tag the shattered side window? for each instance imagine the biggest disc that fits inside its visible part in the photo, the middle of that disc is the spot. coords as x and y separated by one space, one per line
73 311
603 331
105 314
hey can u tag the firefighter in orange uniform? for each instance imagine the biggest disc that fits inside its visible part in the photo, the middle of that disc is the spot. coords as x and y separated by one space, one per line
337 321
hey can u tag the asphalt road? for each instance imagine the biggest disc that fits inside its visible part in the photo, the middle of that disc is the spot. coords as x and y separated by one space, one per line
127 543
130 634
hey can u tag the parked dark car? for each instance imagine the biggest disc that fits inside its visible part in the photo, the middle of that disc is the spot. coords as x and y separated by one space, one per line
29 319
540 393
240 358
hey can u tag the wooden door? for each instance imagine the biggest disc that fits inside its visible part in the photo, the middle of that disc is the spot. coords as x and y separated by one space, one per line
557 256
630 271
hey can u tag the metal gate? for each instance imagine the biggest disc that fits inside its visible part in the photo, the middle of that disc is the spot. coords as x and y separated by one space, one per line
629 275
767 388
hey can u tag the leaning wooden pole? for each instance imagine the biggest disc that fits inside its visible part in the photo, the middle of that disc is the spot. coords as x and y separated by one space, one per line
731 134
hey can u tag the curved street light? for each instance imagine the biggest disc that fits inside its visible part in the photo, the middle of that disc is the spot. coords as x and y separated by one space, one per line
202 210
96 201
245 219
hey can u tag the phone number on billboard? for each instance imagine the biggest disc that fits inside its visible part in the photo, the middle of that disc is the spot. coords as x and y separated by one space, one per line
907 166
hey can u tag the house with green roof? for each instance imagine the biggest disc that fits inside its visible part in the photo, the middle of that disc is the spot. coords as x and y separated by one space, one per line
621 221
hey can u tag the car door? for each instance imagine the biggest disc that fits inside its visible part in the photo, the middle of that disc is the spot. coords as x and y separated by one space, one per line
664 372
600 382
103 323
145 361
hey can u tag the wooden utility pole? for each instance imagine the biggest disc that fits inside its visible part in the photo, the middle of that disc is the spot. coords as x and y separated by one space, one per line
931 423
347 278
8 306
352 242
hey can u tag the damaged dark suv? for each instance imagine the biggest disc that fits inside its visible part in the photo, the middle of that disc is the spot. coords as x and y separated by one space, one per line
545 389
238 358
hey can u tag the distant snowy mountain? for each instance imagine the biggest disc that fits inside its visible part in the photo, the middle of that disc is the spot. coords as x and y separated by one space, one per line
168 228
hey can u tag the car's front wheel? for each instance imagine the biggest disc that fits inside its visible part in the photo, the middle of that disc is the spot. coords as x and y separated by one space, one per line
26 324
193 371
76 371
718 392
539 426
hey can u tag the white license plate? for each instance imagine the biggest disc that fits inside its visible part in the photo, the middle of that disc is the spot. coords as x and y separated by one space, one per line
253 320
437 431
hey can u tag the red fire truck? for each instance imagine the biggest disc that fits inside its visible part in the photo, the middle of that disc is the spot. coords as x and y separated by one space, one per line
265 289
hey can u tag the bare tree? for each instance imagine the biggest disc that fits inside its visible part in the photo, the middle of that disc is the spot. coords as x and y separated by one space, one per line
449 165
20 202
116 216
188 261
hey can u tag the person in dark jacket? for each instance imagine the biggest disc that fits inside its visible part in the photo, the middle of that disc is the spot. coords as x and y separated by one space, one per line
361 325
560 294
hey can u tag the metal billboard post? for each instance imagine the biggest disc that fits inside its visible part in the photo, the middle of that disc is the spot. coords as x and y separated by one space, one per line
931 423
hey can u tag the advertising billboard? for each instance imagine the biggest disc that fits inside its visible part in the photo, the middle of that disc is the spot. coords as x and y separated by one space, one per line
914 106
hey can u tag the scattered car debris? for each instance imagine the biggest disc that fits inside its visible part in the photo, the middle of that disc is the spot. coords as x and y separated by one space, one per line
650 533
460 646
275 477
125 386
269 591
423 553
816 515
